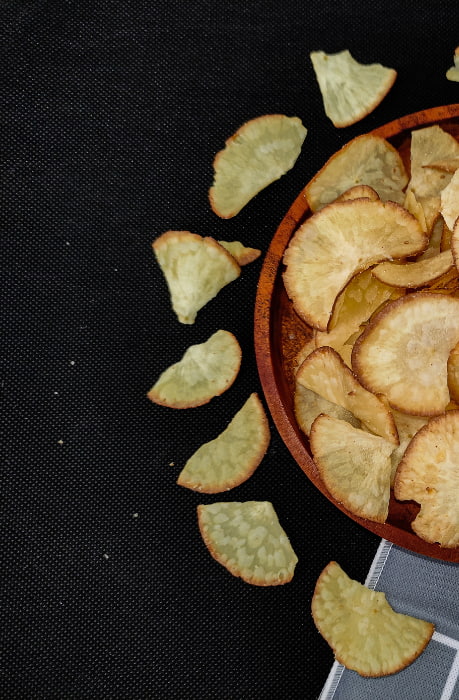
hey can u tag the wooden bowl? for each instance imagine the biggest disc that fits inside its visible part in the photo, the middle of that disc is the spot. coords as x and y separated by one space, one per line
279 334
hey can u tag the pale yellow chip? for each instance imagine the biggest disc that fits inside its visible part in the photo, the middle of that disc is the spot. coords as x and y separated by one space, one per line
350 90
340 241
358 301
205 370
232 457
449 165
415 208
195 268
354 465
407 427
429 475
366 634
243 254
429 145
437 240
366 160
404 350
260 152
453 72
412 275
248 540
449 198
308 406
358 192
325 373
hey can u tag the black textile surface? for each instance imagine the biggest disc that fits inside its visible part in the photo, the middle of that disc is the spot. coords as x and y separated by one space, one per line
111 114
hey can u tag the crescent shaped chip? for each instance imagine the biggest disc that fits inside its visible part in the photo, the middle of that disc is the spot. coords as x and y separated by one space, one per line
195 268
350 90
248 540
205 370
403 352
429 475
366 160
240 252
232 457
354 465
325 373
338 242
260 152
412 275
366 634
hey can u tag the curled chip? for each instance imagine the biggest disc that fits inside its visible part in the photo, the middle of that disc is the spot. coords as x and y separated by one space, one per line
403 352
259 153
248 540
195 269
240 252
354 465
429 475
364 631
232 457
338 242
414 274
366 160
205 370
325 373
350 90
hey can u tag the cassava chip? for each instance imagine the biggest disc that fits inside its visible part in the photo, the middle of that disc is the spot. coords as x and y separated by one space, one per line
195 269
358 192
248 540
429 145
453 373
366 160
308 406
429 475
350 90
453 72
449 198
242 253
404 350
354 465
259 153
366 634
407 427
232 457
205 370
414 274
325 373
340 241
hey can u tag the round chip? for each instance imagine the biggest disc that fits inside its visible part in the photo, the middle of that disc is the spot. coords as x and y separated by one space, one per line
195 269
366 160
364 631
404 350
354 465
232 457
340 241
249 541
260 152
429 475
205 370
240 252
326 374
350 90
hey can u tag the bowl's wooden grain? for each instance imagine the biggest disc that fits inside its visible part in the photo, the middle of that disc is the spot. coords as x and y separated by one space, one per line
279 334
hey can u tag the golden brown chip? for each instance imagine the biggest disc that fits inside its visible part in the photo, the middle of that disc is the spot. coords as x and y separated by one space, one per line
325 373
354 465
232 457
404 350
260 152
195 268
205 370
364 631
429 475
366 160
340 241
240 252
350 90
248 540
417 274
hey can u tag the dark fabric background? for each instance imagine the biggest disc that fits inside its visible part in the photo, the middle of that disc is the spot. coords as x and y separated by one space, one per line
111 114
